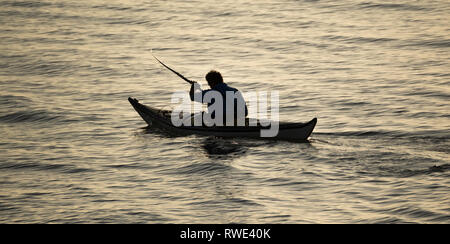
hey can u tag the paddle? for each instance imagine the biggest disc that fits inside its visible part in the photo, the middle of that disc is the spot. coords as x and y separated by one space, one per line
181 76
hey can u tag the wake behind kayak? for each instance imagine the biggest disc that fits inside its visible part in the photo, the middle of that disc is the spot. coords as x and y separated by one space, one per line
162 119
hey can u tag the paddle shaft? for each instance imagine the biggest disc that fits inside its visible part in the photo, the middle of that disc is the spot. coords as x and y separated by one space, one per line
180 75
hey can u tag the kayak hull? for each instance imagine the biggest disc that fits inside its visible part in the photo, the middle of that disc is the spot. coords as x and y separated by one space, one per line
161 119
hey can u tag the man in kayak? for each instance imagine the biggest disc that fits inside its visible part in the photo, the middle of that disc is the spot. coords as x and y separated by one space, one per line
226 104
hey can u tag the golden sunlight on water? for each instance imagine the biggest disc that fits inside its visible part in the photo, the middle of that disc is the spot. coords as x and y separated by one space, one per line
375 75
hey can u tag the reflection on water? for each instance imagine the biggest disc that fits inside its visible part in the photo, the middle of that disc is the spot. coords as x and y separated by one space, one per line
215 147
223 148
160 131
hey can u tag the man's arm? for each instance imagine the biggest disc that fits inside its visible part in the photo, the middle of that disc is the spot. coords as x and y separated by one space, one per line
196 93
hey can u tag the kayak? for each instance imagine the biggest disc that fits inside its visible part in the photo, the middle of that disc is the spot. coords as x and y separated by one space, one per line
162 119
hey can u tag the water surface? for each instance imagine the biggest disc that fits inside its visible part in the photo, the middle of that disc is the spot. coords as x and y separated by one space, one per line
375 74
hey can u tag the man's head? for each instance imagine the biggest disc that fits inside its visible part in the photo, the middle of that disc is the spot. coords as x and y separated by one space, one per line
214 78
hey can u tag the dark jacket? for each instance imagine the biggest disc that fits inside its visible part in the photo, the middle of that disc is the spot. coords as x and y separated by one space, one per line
222 88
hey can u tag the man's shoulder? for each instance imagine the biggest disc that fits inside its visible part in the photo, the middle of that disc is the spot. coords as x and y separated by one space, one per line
229 88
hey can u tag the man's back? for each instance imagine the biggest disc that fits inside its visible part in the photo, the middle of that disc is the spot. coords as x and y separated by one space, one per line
233 103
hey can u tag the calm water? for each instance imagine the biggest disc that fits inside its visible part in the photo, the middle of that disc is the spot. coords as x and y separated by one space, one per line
376 75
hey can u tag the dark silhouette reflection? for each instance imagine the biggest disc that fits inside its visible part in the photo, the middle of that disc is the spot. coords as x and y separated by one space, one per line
160 132
217 147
